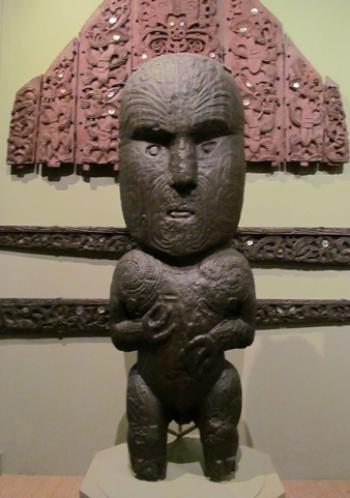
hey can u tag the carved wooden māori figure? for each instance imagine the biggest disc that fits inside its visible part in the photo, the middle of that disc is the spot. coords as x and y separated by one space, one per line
186 296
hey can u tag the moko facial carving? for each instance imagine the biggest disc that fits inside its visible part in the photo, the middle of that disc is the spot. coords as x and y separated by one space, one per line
186 297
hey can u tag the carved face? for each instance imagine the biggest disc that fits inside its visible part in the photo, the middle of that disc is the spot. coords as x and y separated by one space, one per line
177 27
182 161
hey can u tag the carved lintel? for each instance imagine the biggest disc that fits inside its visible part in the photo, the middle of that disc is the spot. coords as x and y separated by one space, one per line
254 52
59 318
56 142
290 115
22 141
335 142
305 112
278 246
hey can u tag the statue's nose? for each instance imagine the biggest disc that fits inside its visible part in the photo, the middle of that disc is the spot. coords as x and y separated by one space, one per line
183 165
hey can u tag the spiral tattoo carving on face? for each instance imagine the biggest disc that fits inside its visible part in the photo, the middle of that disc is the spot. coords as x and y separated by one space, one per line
182 164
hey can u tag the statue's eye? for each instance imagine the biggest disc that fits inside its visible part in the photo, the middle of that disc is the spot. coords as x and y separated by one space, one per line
153 149
208 147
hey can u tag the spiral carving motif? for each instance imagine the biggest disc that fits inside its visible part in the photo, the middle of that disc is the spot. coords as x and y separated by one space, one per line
291 115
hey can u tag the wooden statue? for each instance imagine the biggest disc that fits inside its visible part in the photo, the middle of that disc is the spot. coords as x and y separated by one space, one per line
186 296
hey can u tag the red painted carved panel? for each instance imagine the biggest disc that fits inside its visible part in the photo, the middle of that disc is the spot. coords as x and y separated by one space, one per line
56 143
104 66
172 26
291 116
335 141
254 53
24 125
304 109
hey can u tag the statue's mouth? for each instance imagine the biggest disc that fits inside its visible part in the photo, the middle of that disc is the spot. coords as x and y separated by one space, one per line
180 214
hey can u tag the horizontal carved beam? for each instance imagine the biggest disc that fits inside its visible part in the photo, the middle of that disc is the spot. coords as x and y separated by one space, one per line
309 246
59 318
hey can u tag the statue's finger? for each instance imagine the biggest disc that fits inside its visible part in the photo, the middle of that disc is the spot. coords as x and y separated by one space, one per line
196 342
160 336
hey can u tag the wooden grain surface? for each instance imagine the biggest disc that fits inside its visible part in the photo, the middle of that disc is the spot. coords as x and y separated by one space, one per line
317 489
18 486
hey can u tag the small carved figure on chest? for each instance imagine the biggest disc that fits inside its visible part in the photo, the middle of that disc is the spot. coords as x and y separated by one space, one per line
185 296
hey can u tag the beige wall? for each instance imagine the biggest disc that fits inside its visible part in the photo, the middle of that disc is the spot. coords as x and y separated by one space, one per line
62 401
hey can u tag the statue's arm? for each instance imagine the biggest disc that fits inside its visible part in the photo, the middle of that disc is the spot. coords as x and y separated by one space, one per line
149 331
127 335
146 333
239 331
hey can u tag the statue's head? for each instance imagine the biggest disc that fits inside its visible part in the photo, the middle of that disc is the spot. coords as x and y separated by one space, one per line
182 162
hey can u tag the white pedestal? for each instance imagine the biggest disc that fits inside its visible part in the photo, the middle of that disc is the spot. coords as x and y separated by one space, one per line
110 476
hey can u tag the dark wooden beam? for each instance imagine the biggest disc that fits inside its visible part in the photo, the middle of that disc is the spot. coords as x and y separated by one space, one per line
314 247
59 318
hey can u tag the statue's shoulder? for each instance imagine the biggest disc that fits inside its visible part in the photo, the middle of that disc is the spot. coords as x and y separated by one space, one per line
227 259
136 265
137 280
227 274
135 256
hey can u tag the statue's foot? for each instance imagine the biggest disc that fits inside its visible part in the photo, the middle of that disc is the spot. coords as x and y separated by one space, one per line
220 470
149 470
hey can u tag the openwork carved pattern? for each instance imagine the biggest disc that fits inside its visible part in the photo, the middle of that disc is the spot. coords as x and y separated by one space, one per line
24 125
304 100
295 246
314 246
104 67
53 318
336 143
254 52
291 115
56 144
59 318
94 242
172 26
294 313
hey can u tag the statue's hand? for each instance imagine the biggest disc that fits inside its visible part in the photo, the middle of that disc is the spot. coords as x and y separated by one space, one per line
200 354
157 323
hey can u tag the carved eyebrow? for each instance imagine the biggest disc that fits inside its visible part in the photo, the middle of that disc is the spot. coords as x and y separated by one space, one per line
209 130
149 134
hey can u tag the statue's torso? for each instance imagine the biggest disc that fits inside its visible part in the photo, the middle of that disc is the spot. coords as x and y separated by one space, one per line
199 296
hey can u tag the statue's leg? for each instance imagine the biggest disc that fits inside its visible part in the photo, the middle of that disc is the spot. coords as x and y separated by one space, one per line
147 432
218 419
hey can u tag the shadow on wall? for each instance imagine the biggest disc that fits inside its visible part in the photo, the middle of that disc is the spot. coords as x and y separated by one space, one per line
62 178
296 407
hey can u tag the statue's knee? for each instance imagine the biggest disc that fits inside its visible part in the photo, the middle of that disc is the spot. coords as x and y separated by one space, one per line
230 381
142 404
218 428
150 434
